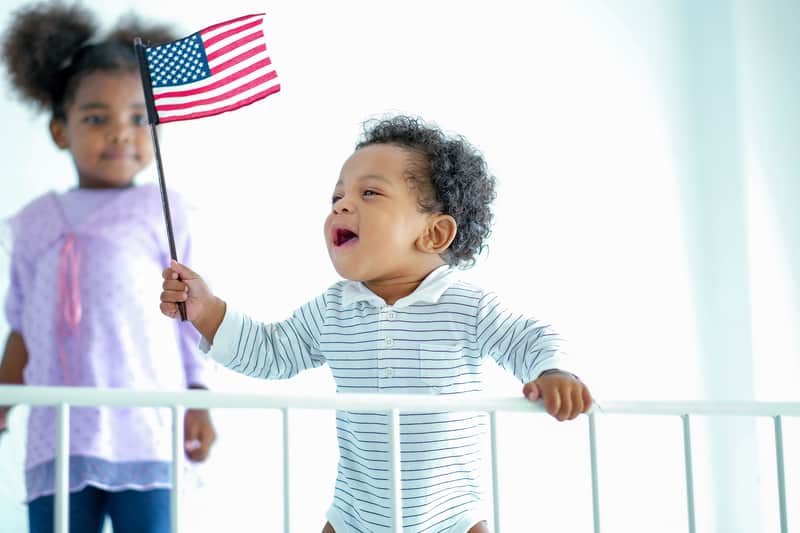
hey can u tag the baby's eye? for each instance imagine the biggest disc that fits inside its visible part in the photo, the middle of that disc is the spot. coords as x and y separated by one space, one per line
140 120
370 192
335 198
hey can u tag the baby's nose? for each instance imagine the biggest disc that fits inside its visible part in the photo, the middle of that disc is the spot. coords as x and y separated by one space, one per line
342 205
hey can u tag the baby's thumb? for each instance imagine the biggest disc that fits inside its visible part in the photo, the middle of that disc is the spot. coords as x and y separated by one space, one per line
531 391
183 271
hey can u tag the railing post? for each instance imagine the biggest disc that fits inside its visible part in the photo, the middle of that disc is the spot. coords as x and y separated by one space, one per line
61 515
395 479
687 457
595 483
495 470
781 474
286 486
177 467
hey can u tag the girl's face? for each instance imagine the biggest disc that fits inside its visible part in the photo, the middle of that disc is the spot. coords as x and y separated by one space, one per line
373 227
106 130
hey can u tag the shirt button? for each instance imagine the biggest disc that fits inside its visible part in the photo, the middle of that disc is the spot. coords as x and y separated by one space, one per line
391 315
389 341
389 372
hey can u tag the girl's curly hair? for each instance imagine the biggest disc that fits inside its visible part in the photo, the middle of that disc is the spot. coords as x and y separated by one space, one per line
453 178
49 47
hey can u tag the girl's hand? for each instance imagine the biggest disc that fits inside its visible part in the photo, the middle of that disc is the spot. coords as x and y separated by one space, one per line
198 434
564 396
4 409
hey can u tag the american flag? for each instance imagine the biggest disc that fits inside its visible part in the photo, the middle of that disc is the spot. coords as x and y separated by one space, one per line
220 68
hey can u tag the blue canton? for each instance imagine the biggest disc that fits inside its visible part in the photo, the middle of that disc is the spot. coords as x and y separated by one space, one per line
177 63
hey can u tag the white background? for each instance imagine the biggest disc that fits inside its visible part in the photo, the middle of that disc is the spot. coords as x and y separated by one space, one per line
647 207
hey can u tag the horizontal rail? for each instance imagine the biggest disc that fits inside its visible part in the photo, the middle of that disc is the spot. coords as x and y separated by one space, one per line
199 399
703 408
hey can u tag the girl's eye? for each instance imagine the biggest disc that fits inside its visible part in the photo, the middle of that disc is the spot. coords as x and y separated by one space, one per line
336 198
369 192
94 119
140 120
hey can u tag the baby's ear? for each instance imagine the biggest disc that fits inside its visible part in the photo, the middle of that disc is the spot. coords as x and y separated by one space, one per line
438 234
58 131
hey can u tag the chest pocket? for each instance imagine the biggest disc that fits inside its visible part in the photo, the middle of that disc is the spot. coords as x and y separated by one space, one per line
440 366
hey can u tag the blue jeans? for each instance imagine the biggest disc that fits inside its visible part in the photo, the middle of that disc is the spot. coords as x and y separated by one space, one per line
131 511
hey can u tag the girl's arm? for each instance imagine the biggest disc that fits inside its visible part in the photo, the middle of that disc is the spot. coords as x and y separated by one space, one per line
15 358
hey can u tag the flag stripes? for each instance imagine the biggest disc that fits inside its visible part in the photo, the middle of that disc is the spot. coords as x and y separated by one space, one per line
220 68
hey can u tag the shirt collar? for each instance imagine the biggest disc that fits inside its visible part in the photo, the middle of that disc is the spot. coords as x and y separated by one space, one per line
429 291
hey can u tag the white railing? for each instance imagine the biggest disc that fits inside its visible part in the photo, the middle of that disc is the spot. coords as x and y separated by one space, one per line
64 397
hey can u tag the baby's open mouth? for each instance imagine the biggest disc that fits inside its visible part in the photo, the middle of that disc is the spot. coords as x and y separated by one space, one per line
342 236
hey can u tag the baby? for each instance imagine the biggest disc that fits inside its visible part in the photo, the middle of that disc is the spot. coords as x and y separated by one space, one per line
411 204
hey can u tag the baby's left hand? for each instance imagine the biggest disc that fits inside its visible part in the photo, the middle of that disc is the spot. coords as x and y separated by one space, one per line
564 396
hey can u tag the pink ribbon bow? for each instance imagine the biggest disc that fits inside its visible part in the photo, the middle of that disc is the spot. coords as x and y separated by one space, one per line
68 307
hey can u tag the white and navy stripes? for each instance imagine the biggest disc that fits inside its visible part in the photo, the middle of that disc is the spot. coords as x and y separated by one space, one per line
431 342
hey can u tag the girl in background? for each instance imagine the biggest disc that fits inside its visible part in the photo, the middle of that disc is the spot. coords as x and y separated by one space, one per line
75 317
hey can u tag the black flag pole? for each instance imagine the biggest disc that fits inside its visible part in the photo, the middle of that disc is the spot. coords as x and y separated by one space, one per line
152 119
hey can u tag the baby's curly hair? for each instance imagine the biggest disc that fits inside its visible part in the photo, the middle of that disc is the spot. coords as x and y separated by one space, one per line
49 47
452 179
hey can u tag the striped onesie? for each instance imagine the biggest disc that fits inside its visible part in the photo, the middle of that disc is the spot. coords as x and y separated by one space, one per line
432 341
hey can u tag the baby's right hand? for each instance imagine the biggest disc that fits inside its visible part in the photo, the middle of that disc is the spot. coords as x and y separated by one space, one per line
205 310
183 285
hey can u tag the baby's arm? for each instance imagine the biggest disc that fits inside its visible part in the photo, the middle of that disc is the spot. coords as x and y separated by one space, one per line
15 359
533 352
271 351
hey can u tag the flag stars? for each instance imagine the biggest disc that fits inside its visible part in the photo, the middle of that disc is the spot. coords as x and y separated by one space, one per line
180 68
177 63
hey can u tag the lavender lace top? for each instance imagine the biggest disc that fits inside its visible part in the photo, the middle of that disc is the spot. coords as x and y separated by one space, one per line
85 283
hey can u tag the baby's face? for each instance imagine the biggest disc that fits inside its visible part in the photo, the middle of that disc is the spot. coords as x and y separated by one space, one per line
375 218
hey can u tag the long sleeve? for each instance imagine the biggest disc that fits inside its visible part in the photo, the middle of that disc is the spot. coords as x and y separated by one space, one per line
14 298
523 346
195 364
11 240
272 351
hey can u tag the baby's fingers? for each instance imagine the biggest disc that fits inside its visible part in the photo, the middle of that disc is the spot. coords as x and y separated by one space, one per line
168 273
174 291
552 402
174 296
565 409
183 271
587 397
174 285
170 310
578 406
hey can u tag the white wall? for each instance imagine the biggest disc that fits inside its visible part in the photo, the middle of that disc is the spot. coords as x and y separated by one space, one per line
629 141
